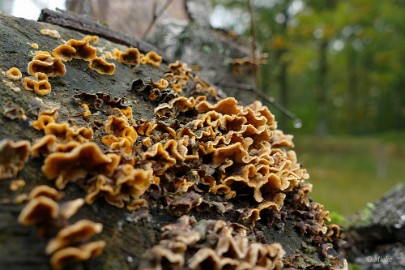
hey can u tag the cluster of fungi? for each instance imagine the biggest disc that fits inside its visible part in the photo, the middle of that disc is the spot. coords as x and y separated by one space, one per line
198 153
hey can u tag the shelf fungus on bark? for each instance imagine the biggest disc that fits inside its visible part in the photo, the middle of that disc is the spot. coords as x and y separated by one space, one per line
78 49
49 32
44 62
39 84
77 163
131 56
13 156
151 58
14 74
80 231
101 66
83 252
210 244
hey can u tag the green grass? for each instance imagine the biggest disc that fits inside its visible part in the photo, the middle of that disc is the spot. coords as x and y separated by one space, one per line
349 172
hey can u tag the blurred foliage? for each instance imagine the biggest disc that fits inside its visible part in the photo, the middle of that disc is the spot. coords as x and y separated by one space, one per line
337 64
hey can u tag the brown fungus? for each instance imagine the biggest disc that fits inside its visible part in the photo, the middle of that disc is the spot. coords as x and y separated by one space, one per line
131 57
38 210
13 156
82 49
152 58
64 52
45 191
80 231
45 63
84 252
77 163
40 85
48 32
44 118
101 66
14 74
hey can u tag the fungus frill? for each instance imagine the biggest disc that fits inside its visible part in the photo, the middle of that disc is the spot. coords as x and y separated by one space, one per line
49 32
83 252
14 74
40 84
45 63
77 163
219 246
80 231
38 210
79 49
124 188
44 118
101 66
152 58
13 156
131 57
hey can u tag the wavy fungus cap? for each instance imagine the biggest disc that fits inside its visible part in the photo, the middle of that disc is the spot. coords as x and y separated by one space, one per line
77 163
131 57
45 63
101 66
80 231
38 210
76 254
13 156
14 74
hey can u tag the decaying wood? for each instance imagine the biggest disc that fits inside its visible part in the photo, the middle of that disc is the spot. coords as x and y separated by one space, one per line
128 234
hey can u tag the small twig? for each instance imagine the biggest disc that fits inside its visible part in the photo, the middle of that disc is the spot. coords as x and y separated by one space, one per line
156 15
255 66
264 97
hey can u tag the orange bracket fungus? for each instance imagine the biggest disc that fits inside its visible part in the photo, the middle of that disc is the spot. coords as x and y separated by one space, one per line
79 49
52 33
101 66
76 254
77 163
38 210
14 74
40 85
45 63
131 57
79 231
13 156
152 58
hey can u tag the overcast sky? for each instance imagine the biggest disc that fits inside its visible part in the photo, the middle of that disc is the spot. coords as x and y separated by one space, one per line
30 9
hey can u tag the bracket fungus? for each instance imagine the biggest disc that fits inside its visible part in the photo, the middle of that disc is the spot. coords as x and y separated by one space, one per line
40 84
38 210
49 32
14 74
13 156
131 56
77 163
101 66
152 58
44 62
81 230
213 244
84 252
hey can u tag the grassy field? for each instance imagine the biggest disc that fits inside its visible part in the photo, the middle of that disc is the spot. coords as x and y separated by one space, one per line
349 172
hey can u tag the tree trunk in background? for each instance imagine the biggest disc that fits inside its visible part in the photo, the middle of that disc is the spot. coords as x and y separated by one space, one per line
321 93
131 17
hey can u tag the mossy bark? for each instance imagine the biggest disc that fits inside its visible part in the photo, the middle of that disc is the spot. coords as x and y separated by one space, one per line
127 234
